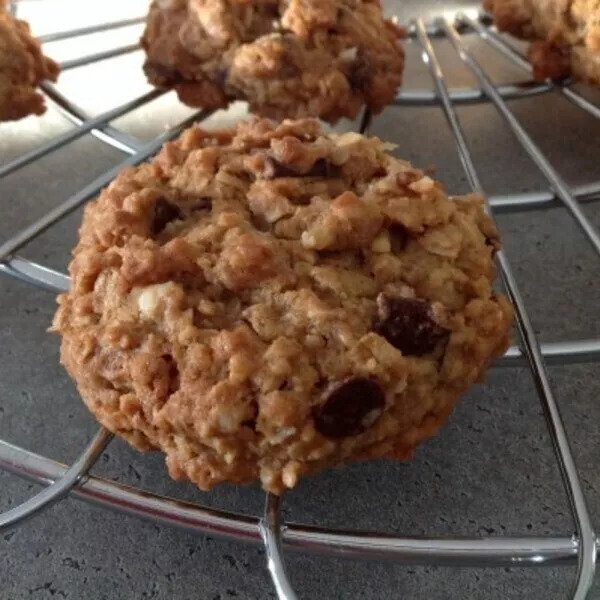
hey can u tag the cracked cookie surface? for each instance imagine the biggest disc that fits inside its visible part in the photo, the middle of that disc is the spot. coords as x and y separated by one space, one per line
264 302
565 35
292 58
23 67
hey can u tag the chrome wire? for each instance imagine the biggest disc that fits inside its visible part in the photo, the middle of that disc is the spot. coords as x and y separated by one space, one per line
556 181
270 529
514 91
77 132
65 35
585 532
61 486
98 56
528 551
117 139
38 275
511 203
496 41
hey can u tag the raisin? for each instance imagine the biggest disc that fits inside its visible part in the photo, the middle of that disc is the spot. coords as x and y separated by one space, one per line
349 408
164 213
321 168
408 324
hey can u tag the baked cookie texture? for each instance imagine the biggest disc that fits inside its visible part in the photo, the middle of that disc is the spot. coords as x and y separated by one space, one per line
23 67
565 35
287 58
267 301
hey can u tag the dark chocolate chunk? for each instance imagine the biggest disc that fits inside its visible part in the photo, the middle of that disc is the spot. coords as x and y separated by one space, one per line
349 408
164 213
321 168
408 324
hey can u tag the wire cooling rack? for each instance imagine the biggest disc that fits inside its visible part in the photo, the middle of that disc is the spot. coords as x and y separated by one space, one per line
61 480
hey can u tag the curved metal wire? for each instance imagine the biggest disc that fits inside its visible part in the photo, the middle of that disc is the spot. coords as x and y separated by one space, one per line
585 531
77 132
467 552
38 275
60 487
117 139
270 529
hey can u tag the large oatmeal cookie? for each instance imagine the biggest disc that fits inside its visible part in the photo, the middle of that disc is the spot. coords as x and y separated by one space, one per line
565 34
287 58
22 68
267 301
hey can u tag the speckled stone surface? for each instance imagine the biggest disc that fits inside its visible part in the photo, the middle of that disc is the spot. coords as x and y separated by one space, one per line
491 471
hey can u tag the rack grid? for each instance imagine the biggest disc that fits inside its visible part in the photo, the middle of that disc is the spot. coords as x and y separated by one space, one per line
61 480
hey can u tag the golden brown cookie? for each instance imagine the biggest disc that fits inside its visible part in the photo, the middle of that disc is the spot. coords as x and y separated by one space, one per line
287 58
22 68
267 301
565 35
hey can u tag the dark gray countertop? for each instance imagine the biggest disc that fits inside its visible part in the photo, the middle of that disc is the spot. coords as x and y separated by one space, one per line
490 472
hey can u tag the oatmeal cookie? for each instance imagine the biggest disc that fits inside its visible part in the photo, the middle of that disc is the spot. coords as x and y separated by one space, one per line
565 35
287 58
267 301
22 68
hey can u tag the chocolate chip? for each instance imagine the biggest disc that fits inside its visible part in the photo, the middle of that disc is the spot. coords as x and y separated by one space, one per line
321 168
349 408
408 324
164 213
